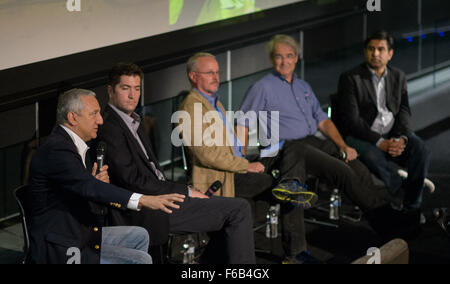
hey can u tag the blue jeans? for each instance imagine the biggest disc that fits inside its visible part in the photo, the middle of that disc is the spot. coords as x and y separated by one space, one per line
125 245
415 158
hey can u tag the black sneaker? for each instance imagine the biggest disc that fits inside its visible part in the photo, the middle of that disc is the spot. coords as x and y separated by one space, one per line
295 193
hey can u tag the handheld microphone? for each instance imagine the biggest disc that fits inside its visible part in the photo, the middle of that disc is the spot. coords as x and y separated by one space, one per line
213 188
101 151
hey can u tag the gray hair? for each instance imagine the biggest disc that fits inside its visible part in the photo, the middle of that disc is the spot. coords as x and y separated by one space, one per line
70 101
191 65
284 39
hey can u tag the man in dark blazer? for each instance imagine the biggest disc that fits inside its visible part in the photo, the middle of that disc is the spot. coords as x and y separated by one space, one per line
133 165
373 113
66 203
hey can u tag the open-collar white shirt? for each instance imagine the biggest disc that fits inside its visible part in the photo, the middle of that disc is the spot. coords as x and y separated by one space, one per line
82 149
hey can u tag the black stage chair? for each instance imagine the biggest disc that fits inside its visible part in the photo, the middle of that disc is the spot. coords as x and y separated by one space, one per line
188 170
185 241
22 201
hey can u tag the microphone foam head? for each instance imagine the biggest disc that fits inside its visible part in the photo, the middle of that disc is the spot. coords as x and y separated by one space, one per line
101 148
216 185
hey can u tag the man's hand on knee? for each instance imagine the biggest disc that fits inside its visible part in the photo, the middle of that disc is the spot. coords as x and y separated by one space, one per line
161 202
396 147
350 154
256 167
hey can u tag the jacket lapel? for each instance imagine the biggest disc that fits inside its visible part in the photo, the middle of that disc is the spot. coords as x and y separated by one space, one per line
388 87
58 130
208 107
225 132
129 136
147 144
367 81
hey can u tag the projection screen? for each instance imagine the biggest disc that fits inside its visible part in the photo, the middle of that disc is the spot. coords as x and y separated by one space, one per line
37 30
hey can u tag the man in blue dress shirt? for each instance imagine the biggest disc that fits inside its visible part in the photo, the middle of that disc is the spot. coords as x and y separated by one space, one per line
300 118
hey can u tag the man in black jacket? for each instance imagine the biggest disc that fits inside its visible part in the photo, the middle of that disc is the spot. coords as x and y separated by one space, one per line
66 203
133 165
373 113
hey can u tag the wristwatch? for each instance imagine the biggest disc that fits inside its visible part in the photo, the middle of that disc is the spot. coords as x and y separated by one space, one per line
343 155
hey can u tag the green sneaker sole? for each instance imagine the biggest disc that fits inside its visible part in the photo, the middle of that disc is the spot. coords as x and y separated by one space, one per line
305 199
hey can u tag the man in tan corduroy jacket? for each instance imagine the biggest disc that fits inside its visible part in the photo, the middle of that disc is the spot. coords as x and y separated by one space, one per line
209 143
213 162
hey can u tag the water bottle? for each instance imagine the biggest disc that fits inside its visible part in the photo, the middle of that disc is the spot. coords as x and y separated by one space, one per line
268 234
335 204
276 219
189 250
272 222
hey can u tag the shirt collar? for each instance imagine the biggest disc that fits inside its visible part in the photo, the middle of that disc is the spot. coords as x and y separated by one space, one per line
81 146
375 74
281 77
134 120
211 99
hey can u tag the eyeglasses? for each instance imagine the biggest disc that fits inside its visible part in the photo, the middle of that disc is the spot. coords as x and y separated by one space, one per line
210 73
280 57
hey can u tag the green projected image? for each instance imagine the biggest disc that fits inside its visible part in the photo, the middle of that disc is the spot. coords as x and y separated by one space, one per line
197 12
214 10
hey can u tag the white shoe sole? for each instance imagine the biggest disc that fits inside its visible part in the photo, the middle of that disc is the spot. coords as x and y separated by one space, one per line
428 183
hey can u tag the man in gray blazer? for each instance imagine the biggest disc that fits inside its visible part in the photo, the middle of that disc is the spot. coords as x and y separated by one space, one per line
372 111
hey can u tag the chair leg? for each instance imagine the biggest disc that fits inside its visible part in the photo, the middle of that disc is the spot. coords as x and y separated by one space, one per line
328 224
189 239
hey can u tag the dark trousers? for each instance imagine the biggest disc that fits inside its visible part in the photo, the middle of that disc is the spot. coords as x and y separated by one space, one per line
229 220
415 157
354 179
255 185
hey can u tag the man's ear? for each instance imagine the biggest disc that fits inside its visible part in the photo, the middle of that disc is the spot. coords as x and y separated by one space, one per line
192 76
71 118
110 91
391 53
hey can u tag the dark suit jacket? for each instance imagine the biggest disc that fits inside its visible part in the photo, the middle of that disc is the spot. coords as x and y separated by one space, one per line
357 104
129 168
60 211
